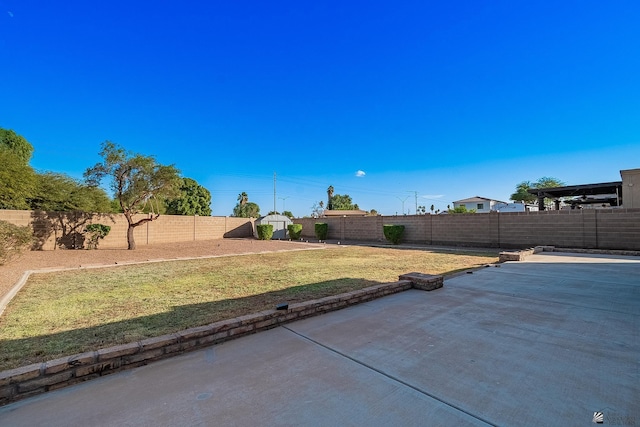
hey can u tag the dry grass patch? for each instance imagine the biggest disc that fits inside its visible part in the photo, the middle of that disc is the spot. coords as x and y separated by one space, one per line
64 313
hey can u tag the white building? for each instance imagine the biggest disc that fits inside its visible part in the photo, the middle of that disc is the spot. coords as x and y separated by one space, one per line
479 204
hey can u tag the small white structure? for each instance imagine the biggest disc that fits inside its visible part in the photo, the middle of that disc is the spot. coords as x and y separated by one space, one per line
514 207
279 222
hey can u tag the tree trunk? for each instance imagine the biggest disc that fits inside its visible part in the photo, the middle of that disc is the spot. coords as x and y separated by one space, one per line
131 243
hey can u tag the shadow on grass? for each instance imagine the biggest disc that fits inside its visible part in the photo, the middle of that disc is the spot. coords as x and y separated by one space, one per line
25 351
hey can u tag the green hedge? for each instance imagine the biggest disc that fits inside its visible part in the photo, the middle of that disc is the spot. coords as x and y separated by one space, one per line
393 233
95 232
295 230
322 230
265 231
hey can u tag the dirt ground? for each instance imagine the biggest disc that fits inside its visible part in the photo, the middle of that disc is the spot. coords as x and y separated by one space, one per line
35 260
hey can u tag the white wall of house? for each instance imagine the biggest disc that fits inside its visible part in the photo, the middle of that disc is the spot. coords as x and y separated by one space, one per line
479 204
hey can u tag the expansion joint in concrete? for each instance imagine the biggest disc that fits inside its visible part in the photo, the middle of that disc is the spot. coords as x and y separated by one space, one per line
391 377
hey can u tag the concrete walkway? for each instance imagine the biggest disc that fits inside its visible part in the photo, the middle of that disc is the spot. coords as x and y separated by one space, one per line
545 342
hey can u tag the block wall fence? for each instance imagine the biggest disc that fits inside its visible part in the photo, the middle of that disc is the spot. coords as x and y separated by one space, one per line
66 229
587 228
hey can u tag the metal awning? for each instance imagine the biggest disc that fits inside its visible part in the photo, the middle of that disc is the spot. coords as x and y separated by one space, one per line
612 189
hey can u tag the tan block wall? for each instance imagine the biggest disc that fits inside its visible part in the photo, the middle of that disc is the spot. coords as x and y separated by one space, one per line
586 229
65 229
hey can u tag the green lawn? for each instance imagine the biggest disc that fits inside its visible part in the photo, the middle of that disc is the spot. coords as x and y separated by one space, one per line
64 313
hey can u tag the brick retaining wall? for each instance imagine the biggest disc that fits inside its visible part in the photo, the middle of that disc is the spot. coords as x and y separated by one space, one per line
38 378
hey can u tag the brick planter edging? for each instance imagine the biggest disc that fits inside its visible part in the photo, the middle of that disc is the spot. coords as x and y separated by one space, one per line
521 255
26 381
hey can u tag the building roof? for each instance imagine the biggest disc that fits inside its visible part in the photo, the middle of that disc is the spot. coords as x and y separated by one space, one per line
477 199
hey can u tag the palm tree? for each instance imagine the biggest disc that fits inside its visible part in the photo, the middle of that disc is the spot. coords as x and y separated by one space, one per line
243 198
329 197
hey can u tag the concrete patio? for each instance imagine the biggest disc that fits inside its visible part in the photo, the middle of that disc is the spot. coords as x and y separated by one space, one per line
548 341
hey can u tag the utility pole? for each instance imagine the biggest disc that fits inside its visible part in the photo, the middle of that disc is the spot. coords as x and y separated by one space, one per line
415 193
274 192
402 200
283 199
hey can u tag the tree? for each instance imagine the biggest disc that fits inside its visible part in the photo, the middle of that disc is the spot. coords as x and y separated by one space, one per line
330 197
317 209
136 181
432 208
17 181
343 203
461 209
522 189
194 199
16 144
58 192
288 214
245 208
372 212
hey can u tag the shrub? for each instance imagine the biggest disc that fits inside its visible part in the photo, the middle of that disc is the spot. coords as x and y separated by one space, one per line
95 232
322 230
265 231
295 230
393 233
13 240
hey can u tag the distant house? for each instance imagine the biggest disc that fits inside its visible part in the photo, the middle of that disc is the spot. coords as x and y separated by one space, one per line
479 204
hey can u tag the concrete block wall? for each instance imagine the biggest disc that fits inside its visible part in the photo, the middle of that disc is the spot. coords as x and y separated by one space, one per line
464 230
65 229
615 228
618 229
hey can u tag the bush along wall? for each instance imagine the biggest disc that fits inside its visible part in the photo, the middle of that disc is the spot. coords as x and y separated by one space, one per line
295 230
265 231
322 230
393 233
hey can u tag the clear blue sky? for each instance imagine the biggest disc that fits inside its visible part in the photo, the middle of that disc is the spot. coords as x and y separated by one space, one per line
446 99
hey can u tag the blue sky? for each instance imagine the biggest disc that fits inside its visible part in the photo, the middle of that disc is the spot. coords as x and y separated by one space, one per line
443 100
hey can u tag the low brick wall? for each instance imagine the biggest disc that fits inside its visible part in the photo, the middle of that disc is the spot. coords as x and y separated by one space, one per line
38 378
523 254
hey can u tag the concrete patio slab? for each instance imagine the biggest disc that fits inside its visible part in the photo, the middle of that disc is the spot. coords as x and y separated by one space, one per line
548 341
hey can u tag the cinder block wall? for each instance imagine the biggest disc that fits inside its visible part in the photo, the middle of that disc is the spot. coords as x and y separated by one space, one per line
587 229
65 229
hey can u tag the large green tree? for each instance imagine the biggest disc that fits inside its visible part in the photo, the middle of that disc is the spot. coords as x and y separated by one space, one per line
522 189
136 180
60 193
17 178
193 199
342 202
17 181
245 208
17 144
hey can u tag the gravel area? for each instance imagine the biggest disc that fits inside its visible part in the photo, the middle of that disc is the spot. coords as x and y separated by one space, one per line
35 260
